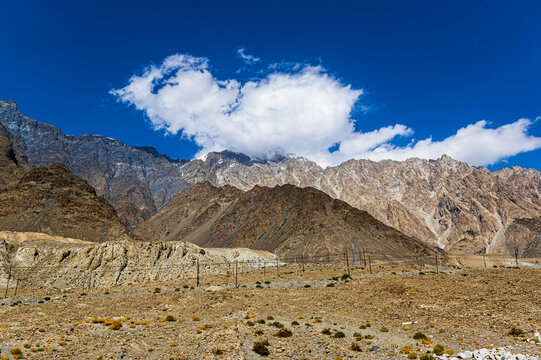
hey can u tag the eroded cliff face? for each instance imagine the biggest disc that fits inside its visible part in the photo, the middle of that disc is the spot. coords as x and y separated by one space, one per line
445 203
53 261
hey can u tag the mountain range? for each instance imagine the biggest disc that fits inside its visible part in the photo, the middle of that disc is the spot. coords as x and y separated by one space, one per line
444 203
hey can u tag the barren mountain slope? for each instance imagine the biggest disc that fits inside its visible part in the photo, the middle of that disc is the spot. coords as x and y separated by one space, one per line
288 220
52 200
443 202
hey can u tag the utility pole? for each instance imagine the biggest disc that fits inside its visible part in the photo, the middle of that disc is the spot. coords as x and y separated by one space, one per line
516 255
437 267
302 259
197 261
236 277
7 284
370 264
347 262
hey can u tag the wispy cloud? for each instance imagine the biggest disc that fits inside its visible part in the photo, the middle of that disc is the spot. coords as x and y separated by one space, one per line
247 58
303 110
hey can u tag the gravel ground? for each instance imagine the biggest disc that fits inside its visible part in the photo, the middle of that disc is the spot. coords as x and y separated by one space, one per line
463 310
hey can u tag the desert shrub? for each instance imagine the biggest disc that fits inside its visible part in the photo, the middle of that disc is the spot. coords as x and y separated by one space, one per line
250 323
339 335
330 285
217 351
294 323
46 298
177 289
259 332
270 317
157 291
258 283
369 337
358 336
345 277
438 349
283 333
261 321
427 357
406 349
260 348
259 286
267 282
412 355
420 336
326 331
516 331
356 347
384 329
307 286
115 325
277 324
16 351
170 318
196 318
186 287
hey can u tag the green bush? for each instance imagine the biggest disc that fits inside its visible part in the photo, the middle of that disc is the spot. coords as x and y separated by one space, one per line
339 335
420 336
283 333
438 349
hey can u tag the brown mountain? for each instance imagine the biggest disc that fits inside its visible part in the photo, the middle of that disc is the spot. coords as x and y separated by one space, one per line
287 220
52 200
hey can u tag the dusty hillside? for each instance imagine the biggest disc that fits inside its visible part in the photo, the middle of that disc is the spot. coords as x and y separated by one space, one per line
54 201
287 220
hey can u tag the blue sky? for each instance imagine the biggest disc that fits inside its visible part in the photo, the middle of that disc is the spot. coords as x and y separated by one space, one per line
433 67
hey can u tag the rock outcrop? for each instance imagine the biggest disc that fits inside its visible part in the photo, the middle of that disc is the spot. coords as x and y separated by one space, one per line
54 201
12 163
48 261
290 221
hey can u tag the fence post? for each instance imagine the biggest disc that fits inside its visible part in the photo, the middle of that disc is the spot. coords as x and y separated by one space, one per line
516 256
7 284
437 267
197 284
16 286
370 264
236 277
364 257
264 269
347 262
302 259
484 260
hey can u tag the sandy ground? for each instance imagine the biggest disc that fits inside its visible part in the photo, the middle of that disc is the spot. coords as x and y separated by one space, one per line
462 309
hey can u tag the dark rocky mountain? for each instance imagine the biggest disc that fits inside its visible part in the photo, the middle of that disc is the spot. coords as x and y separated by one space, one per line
12 163
287 220
444 202
137 181
52 200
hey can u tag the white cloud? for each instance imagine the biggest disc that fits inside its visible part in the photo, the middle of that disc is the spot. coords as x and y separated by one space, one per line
302 111
247 58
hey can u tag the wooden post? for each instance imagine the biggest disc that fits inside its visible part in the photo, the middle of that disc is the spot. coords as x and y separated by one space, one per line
484 260
347 262
7 284
264 269
437 267
370 264
516 256
16 287
236 277
197 261
302 259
